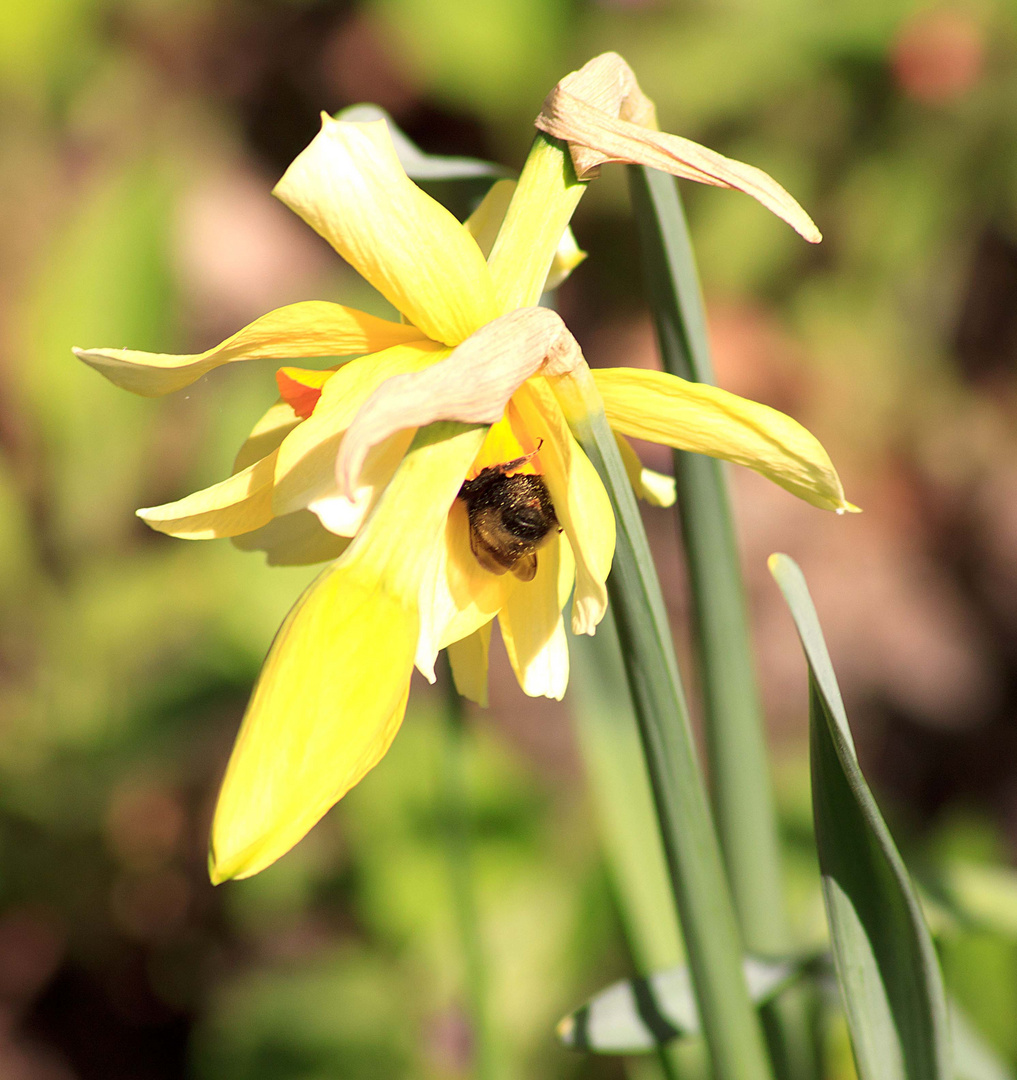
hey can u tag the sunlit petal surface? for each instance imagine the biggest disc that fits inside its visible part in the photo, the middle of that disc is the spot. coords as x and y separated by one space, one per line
310 328
236 505
532 627
468 659
348 185
693 416
327 705
305 470
579 498
332 693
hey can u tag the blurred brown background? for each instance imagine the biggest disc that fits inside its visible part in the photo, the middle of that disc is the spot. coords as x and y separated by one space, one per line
139 140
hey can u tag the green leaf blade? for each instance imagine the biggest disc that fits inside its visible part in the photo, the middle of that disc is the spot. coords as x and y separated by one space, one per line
886 964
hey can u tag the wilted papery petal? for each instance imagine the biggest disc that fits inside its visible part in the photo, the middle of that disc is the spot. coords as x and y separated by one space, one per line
604 116
471 385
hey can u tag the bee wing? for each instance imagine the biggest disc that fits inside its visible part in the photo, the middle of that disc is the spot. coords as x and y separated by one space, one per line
487 556
525 568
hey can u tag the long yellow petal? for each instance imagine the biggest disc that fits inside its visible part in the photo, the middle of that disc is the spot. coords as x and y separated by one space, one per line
579 498
532 627
236 505
468 659
310 328
530 237
348 186
485 223
305 470
328 703
704 419
333 689
297 539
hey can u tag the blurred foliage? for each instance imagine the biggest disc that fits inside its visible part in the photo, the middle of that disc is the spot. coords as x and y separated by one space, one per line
138 142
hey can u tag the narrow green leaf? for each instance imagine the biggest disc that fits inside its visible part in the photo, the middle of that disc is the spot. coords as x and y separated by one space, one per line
702 897
741 789
636 1016
887 969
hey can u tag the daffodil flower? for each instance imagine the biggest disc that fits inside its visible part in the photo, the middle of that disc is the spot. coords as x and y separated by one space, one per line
363 466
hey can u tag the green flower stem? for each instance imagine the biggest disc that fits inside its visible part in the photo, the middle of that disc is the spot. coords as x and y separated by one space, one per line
730 1024
741 789
459 848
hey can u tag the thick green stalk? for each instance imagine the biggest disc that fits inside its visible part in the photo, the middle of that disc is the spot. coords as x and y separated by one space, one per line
730 1024
733 721
458 844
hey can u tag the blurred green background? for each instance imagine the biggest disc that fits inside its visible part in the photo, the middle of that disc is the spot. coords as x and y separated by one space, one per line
139 140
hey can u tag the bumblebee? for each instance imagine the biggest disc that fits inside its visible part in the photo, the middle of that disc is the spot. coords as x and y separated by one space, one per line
510 518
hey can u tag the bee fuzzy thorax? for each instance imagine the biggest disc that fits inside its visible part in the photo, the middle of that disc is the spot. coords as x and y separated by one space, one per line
510 517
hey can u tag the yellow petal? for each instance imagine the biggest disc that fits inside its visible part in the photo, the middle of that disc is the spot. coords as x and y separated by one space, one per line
468 659
267 435
333 690
538 215
348 186
653 487
327 705
485 222
310 328
343 515
297 539
305 470
693 416
458 596
532 627
579 498
236 505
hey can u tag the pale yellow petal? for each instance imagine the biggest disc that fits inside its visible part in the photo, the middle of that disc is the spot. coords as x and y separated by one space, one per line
486 221
532 627
653 487
483 224
530 237
400 541
348 186
267 434
327 705
694 416
468 659
579 498
458 596
305 470
333 690
237 505
344 516
310 328
297 539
